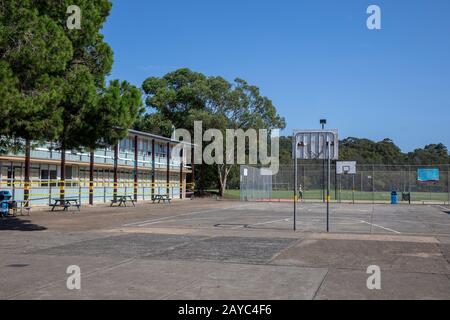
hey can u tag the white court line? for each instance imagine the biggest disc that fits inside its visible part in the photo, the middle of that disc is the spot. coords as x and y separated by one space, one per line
378 226
261 223
154 221
443 208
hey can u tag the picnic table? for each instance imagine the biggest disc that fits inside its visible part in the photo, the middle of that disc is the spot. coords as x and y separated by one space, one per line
190 194
122 199
19 206
159 197
65 203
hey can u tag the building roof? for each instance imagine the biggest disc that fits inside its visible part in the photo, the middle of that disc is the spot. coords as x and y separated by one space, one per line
157 137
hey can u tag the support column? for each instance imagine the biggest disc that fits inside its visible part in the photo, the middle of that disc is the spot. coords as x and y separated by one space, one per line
26 190
181 174
91 178
168 169
153 167
116 160
62 182
193 169
136 158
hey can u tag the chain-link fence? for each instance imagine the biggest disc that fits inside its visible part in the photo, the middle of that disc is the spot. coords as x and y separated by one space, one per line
256 184
371 183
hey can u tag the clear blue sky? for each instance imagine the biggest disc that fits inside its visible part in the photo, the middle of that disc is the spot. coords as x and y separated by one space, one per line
313 58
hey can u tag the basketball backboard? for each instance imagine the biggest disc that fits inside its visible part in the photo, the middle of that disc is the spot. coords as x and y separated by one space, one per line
346 167
312 144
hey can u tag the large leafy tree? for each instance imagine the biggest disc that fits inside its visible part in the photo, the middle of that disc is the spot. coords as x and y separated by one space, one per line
184 96
93 114
84 75
245 108
53 78
108 120
155 123
173 96
430 155
366 151
118 106
34 50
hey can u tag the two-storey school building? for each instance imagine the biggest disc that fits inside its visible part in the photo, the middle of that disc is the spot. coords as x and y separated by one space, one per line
140 165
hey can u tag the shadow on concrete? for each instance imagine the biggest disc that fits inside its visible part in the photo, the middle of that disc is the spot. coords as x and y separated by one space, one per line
16 224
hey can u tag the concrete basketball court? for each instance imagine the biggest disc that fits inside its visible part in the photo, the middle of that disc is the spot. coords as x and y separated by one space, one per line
207 249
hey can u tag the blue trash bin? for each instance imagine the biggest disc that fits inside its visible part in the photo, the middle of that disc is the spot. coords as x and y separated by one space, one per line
394 197
5 200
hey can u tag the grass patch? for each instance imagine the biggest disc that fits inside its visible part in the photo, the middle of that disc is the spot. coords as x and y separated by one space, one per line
347 195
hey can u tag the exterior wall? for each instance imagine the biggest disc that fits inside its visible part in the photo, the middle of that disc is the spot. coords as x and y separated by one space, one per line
45 172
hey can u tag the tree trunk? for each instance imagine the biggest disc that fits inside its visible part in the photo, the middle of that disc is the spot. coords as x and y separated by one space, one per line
193 169
223 171
26 192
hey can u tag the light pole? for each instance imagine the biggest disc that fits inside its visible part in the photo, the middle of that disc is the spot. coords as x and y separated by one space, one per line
323 122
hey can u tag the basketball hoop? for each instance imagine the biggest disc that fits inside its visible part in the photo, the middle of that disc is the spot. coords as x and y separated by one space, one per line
313 145
346 167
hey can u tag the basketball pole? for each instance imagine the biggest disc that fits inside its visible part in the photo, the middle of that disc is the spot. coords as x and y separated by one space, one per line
323 122
323 151
328 185
323 179
295 183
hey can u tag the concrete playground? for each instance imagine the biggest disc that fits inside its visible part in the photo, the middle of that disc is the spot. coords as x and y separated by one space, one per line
208 249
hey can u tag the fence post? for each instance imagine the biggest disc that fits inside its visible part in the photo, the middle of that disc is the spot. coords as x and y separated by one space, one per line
448 182
353 189
373 184
362 181
335 181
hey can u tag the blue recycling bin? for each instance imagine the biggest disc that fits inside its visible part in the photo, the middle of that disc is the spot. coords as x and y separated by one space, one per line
5 201
394 197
